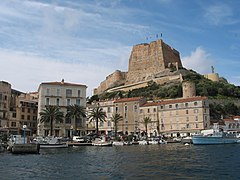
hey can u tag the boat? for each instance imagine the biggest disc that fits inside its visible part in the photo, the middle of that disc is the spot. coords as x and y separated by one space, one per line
216 137
143 142
50 142
162 141
118 143
101 142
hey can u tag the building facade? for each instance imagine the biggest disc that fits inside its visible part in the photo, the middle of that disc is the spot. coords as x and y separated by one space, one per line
177 117
61 94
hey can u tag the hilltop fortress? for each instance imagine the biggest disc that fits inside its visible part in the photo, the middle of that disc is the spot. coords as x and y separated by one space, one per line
155 61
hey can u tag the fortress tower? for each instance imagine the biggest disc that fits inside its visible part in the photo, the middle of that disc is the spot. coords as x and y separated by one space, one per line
148 59
188 89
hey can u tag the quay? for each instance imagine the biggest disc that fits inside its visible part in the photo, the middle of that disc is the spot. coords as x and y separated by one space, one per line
25 149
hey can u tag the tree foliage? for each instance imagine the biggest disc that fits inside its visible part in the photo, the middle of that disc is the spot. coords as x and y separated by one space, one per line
51 114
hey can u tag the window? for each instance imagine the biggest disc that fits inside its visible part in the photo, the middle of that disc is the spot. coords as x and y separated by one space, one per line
68 102
109 123
101 124
22 117
116 108
13 124
148 110
23 109
29 110
108 109
68 93
196 125
47 101
195 103
28 117
47 92
14 115
126 108
176 105
196 118
187 126
79 93
187 119
186 111
170 106
135 108
58 92
57 102
154 110
141 111
78 102
162 107
186 104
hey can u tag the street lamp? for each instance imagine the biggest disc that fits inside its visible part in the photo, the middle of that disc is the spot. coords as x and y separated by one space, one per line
24 133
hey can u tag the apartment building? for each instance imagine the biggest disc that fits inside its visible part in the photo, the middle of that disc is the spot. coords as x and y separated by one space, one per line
5 95
128 108
61 94
175 117
107 126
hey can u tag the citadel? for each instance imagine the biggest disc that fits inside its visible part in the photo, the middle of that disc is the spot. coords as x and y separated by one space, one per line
155 61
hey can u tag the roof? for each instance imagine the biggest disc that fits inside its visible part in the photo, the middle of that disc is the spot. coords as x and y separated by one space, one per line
172 101
128 99
62 84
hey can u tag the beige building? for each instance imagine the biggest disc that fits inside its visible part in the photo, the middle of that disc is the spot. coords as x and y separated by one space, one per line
23 111
5 95
128 108
61 94
177 117
107 126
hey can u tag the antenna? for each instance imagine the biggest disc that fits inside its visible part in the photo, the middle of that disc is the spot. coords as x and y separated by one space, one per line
212 69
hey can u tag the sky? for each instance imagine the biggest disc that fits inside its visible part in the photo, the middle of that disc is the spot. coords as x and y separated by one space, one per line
83 41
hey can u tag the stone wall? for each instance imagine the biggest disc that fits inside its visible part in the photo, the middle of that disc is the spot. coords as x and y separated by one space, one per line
146 60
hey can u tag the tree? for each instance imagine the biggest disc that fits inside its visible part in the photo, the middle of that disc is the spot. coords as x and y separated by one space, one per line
51 114
146 121
115 119
75 112
97 114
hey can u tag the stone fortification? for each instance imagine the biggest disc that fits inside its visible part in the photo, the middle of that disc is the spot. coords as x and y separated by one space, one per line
147 62
115 79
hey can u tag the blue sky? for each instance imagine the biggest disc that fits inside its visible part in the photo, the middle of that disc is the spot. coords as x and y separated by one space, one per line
83 41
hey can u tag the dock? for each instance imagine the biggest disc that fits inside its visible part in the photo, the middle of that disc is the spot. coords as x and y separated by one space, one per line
25 149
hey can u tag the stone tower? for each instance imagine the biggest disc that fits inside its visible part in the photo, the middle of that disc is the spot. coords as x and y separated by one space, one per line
188 89
146 60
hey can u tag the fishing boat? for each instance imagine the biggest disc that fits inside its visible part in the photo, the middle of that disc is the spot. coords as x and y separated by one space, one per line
101 142
50 142
216 137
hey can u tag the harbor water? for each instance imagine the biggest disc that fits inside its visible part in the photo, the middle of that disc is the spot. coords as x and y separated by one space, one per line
169 161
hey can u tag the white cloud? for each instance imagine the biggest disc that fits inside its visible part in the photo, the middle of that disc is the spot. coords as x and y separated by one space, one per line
26 71
199 60
220 14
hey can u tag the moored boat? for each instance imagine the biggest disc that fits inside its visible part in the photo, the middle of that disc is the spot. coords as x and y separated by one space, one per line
216 137
50 142
101 142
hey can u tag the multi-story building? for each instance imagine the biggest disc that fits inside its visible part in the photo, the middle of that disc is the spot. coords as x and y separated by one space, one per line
24 112
5 95
177 117
105 127
128 108
61 94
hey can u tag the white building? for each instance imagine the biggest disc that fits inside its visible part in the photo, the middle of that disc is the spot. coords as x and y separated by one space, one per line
61 94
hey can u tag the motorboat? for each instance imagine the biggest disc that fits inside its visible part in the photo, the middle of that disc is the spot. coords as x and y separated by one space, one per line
101 142
50 142
118 143
216 137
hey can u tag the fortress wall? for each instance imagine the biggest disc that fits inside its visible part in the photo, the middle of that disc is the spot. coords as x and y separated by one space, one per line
170 55
114 79
149 59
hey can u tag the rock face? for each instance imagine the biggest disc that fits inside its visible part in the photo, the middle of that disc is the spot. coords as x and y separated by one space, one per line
147 62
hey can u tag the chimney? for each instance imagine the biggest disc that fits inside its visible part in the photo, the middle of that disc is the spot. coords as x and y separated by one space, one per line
62 82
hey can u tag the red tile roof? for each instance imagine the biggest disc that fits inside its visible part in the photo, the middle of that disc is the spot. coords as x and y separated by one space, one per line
63 83
172 101
128 99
